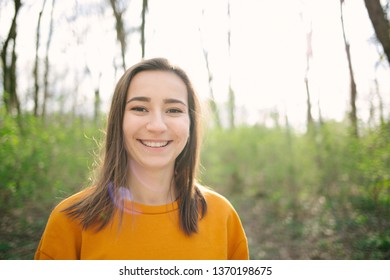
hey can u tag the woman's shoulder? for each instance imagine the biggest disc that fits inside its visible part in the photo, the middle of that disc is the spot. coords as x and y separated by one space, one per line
72 199
215 199
59 222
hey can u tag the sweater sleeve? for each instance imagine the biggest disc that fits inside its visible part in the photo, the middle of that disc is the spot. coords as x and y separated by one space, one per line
61 239
238 243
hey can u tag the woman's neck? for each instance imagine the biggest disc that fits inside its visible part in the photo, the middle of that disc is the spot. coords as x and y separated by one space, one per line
151 187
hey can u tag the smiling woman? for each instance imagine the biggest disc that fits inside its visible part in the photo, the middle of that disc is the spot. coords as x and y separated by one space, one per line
146 203
156 128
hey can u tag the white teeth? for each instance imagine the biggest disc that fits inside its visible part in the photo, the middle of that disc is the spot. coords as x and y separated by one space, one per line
155 144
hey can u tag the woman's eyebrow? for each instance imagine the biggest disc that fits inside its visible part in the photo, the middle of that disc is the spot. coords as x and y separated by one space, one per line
139 98
173 100
148 99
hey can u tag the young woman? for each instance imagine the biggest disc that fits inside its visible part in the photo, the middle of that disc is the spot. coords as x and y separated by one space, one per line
146 203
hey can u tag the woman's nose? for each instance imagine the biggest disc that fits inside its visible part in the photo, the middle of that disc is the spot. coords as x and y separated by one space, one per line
156 123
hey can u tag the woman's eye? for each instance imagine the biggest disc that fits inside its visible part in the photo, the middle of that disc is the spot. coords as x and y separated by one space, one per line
138 109
175 111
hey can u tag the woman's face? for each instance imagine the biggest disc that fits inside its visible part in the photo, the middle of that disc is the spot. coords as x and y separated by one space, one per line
156 122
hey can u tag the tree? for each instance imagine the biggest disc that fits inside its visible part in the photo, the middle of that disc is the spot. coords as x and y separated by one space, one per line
10 96
143 16
381 24
353 90
97 102
212 103
120 28
309 116
36 64
47 64
231 96
309 55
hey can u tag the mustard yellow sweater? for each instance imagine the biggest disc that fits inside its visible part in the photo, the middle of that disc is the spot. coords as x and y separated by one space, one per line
147 232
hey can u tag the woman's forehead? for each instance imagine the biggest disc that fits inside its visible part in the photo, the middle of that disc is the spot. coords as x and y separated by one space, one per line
157 85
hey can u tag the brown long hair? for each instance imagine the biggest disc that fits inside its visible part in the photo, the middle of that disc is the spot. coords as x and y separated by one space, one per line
98 207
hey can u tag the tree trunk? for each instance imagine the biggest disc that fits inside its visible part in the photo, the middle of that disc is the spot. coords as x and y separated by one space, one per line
13 80
353 91
231 106
144 10
36 64
309 53
97 106
309 116
380 23
380 100
212 103
320 118
10 96
97 99
231 96
47 64
120 30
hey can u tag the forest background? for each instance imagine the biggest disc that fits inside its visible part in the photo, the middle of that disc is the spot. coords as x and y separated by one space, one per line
297 130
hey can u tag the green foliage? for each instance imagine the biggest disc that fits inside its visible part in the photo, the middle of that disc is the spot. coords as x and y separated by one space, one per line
324 194
41 163
320 195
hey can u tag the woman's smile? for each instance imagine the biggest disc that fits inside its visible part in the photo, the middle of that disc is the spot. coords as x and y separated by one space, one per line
155 143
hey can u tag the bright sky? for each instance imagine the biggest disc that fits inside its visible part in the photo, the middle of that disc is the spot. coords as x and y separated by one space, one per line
266 65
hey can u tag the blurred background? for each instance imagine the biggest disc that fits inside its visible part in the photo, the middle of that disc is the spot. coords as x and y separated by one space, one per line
296 97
